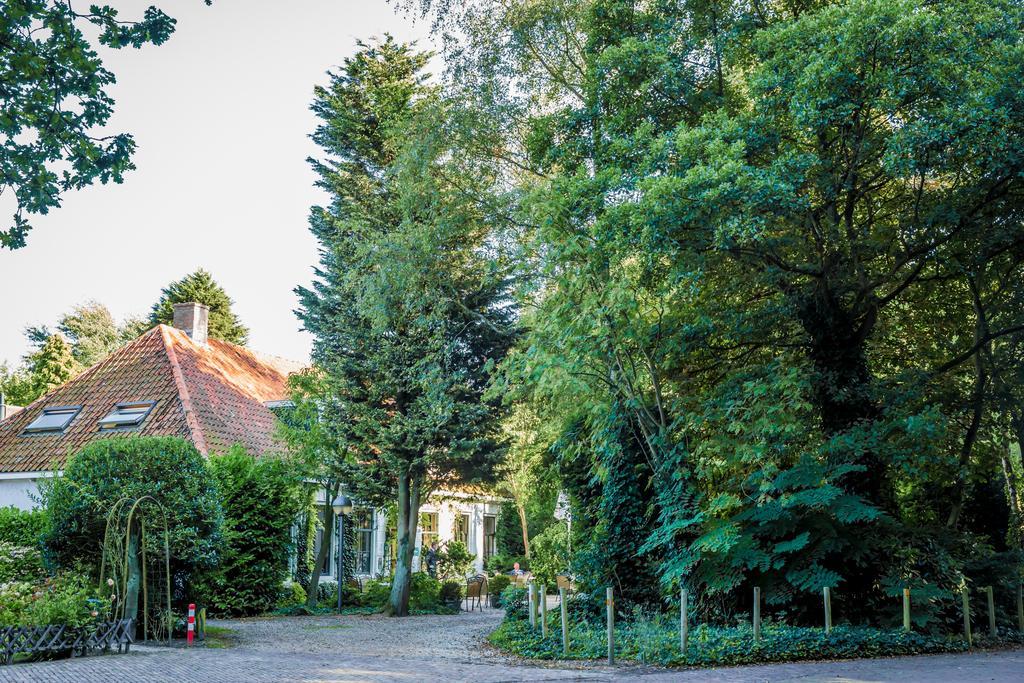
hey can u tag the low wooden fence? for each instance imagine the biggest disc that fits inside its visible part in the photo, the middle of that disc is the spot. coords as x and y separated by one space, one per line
537 612
39 640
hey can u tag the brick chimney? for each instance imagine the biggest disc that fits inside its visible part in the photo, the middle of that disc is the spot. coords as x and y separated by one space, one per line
194 319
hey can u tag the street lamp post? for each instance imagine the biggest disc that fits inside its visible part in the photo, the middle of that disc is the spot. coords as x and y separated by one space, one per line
342 505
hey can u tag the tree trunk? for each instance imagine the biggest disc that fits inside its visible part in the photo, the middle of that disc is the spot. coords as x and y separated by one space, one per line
977 409
408 520
521 509
842 386
131 597
322 548
1016 532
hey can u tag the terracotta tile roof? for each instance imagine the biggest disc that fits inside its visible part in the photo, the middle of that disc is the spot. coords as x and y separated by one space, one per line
211 394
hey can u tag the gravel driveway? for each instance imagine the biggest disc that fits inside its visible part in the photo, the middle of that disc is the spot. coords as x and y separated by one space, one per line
447 648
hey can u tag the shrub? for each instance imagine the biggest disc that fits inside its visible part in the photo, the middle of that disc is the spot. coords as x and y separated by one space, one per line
169 469
515 601
585 607
455 561
19 563
68 598
261 498
376 594
657 641
424 592
497 584
451 591
22 527
550 553
498 563
292 595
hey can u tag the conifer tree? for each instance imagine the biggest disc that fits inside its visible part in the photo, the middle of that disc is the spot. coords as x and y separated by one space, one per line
52 365
200 287
407 313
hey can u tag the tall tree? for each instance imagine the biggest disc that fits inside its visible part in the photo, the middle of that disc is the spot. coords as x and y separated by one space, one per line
54 102
91 330
200 287
407 312
772 258
52 365
16 385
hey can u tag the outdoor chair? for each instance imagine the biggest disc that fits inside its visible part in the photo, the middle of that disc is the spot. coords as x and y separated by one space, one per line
563 581
476 589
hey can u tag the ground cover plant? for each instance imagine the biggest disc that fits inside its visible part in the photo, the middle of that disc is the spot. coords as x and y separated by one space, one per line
656 641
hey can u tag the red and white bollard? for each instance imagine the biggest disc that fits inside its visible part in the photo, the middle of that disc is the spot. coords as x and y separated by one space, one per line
191 622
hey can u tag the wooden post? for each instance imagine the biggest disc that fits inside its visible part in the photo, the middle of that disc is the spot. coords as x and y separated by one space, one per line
609 601
565 622
1020 607
827 595
684 620
757 614
991 612
544 610
965 600
531 593
906 609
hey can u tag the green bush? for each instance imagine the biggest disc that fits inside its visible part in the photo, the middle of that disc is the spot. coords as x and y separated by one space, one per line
656 641
515 600
455 561
451 591
550 553
22 527
19 563
69 598
376 594
496 584
292 595
261 499
169 469
424 592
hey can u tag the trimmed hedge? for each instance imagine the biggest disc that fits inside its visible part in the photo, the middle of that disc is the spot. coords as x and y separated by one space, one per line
22 527
261 498
657 642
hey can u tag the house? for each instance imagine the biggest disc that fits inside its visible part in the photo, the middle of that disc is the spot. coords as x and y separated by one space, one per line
175 381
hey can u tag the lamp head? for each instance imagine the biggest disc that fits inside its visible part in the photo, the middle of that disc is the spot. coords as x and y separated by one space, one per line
342 504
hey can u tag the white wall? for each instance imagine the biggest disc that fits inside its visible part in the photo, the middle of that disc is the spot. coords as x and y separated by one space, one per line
16 492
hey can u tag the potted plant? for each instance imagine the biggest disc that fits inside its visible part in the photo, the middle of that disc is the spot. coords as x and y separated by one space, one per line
497 584
451 595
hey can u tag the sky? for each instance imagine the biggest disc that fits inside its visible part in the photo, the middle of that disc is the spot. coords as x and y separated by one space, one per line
220 115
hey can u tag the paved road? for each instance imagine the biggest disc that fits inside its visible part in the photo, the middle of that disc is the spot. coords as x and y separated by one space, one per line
339 650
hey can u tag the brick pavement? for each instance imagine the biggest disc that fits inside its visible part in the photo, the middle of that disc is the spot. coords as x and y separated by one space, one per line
339 650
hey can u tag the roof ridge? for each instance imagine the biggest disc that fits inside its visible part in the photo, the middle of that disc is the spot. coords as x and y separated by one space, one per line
183 394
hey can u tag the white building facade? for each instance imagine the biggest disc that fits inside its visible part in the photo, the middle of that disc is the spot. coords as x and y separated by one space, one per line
445 517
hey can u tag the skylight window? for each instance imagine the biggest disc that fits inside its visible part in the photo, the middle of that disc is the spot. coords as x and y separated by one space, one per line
52 420
126 415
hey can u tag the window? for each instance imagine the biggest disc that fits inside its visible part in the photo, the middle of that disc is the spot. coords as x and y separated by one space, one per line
127 415
428 530
490 536
462 529
362 518
52 420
